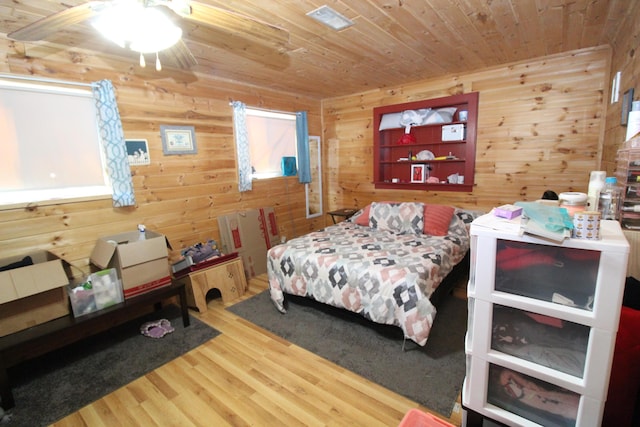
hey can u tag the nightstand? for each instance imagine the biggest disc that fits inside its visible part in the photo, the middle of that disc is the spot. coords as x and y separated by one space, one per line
345 213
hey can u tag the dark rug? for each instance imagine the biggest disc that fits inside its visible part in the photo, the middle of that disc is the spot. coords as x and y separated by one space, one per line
59 383
431 375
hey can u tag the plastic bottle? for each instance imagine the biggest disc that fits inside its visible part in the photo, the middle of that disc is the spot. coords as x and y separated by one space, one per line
596 184
609 199
141 232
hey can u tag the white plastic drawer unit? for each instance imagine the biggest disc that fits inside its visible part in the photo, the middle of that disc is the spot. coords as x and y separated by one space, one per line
544 340
530 398
579 280
548 273
542 324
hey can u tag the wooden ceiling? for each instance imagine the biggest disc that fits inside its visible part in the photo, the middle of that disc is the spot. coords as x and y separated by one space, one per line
392 41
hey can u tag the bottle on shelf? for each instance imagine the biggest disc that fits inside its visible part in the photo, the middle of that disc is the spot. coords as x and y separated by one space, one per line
609 199
142 235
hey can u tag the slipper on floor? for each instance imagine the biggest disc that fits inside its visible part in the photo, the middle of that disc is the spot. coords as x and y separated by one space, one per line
156 329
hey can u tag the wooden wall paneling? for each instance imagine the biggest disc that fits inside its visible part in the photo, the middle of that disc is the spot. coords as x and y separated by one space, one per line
178 195
539 128
624 59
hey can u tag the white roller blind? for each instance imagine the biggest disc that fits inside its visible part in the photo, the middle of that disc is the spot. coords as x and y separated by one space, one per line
272 136
50 144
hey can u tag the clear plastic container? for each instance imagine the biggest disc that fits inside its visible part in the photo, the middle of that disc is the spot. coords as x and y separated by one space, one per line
573 202
609 200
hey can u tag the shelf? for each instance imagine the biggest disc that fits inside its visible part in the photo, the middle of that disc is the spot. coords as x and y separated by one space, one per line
428 137
420 162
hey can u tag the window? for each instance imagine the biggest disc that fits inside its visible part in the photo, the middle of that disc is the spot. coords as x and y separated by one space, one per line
50 144
272 136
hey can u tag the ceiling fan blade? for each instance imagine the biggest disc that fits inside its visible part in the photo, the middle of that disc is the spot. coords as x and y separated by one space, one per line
43 28
180 56
257 30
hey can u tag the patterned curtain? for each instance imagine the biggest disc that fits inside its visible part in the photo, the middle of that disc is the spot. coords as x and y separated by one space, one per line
302 138
114 145
242 146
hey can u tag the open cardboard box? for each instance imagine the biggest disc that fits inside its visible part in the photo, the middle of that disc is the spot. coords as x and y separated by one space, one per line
250 233
142 265
32 294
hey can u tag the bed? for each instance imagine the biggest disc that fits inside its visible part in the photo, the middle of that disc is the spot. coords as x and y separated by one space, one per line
385 263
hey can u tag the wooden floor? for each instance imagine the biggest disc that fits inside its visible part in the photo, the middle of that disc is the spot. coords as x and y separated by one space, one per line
247 377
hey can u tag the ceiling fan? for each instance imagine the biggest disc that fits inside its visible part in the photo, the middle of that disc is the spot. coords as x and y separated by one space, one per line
200 14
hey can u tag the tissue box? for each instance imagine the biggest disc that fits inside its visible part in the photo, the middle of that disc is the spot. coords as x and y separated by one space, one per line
508 211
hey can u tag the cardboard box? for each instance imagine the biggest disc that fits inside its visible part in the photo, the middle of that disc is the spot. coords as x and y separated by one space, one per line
142 265
453 132
32 294
250 233
102 289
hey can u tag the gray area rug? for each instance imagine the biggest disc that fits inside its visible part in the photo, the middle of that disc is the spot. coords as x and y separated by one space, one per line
431 375
55 385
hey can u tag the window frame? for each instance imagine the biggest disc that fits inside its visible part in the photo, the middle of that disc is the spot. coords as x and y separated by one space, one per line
66 193
272 114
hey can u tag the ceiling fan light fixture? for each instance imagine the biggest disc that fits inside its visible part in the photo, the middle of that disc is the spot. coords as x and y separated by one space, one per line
330 18
141 29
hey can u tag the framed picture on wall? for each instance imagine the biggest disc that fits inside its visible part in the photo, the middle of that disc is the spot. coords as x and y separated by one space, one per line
178 139
418 173
138 152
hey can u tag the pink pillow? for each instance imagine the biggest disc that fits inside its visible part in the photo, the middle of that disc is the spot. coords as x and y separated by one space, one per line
363 219
437 219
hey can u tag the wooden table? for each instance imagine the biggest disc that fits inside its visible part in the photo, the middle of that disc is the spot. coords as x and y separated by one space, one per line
346 213
40 339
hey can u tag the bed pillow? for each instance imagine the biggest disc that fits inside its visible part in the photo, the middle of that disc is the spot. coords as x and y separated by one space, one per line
363 218
437 219
401 218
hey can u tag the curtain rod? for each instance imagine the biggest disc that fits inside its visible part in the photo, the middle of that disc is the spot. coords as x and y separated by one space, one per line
44 80
267 109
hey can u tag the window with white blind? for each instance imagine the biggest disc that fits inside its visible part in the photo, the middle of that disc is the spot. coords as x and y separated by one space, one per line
272 136
50 144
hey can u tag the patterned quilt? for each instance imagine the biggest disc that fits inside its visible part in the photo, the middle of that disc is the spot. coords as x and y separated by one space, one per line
384 276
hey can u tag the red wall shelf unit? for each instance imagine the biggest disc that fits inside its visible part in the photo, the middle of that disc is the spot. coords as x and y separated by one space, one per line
392 173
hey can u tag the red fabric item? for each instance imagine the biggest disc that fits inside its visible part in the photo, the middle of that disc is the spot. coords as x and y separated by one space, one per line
511 258
437 219
624 383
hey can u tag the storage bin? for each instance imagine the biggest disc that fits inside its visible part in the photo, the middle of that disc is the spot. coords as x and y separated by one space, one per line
417 418
102 289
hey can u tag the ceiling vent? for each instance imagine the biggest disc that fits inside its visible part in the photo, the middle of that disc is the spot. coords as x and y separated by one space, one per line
330 18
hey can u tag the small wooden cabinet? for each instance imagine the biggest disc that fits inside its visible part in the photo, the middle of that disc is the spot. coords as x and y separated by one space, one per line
228 277
392 159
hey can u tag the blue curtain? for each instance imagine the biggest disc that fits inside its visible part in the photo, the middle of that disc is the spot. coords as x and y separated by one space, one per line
302 137
114 145
242 146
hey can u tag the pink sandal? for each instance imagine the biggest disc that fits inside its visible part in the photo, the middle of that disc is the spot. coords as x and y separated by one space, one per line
156 329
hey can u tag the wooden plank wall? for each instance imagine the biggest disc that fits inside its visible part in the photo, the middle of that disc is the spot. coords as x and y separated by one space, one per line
626 60
180 196
540 127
